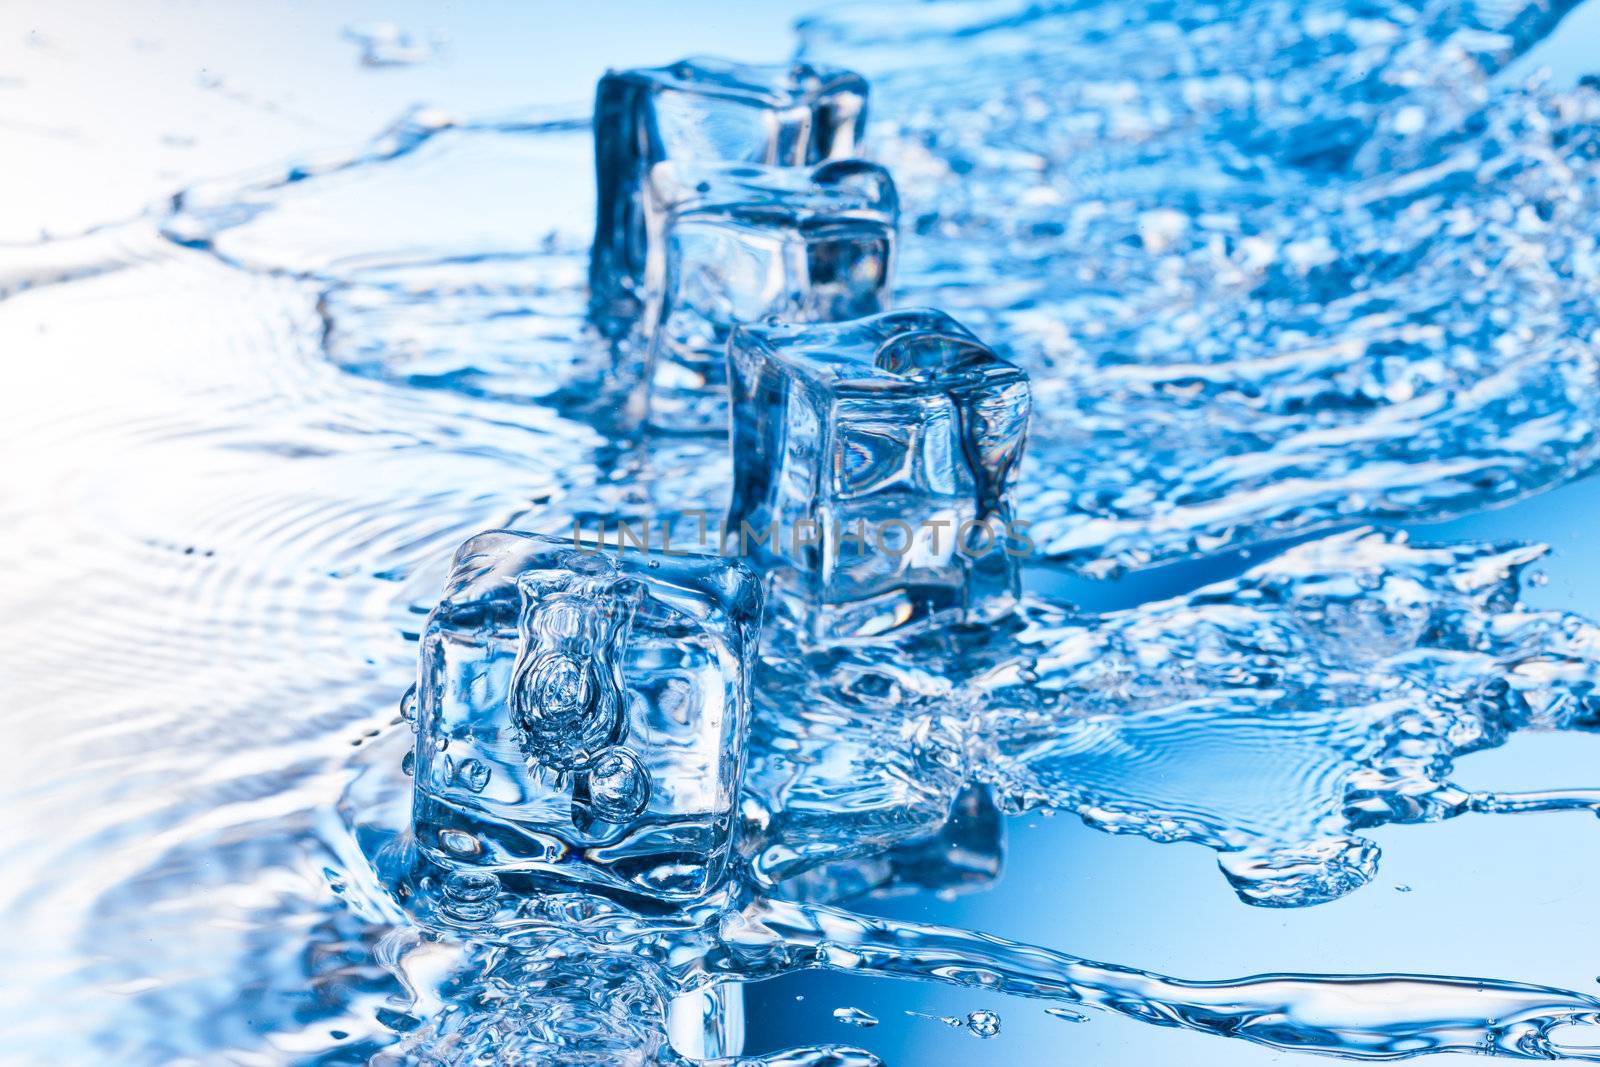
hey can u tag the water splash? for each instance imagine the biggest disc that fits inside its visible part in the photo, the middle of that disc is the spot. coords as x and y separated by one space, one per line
1344 274
1270 717
1364 664
1363 1017
1305 267
1270 268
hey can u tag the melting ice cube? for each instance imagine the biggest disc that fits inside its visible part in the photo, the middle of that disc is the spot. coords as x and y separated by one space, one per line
873 463
702 110
600 701
746 243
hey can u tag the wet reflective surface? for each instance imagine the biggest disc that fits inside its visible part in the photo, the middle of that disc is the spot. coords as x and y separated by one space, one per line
1267 273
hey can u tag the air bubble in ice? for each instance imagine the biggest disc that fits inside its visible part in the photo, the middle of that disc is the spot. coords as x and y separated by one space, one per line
619 788
473 774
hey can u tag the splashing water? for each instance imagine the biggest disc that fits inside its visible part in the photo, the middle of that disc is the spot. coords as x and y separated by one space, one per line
1270 268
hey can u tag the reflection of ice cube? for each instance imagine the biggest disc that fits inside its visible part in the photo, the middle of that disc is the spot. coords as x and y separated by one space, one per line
873 462
745 243
707 1022
700 110
963 855
581 716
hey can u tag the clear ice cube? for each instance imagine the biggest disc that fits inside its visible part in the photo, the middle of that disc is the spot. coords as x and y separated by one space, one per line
746 243
581 717
873 462
704 110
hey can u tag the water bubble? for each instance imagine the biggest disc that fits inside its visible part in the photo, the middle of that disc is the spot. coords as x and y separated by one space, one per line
855 1017
984 1023
619 788
460 842
471 896
1067 1014
473 774
471 887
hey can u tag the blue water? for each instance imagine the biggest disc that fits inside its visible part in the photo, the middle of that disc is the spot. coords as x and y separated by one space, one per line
1272 270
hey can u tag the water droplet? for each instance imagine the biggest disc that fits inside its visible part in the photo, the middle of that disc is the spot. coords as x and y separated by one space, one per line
983 1023
1067 1014
473 774
1402 889
408 704
855 1017
619 788
408 763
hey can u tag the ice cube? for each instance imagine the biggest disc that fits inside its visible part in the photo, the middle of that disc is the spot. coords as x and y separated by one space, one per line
873 463
746 243
704 110
601 700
